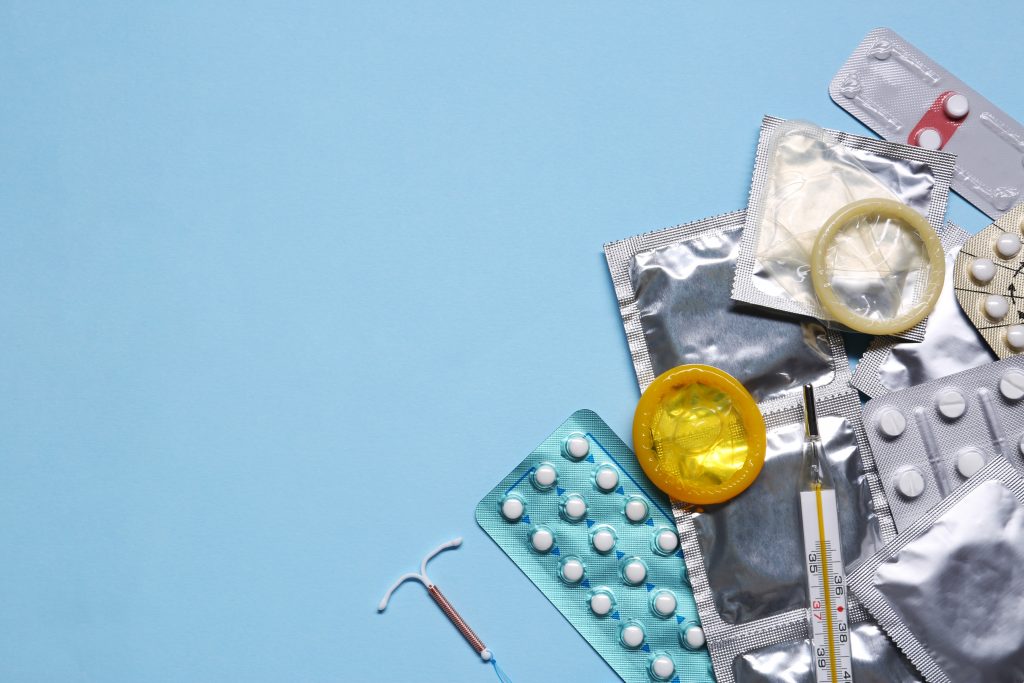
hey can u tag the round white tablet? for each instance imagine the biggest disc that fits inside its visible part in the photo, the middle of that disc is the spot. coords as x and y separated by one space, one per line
951 403
692 636
996 306
577 447
1011 386
1015 337
910 483
664 603
603 540
983 270
545 476
1020 445
512 508
632 635
1008 245
636 509
969 460
571 570
606 478
662 667
574 507
891 422
929 138
666 541
601 603
634 572
956 106
542 539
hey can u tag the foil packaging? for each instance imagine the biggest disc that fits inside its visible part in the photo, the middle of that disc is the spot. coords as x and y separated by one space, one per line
946 590
827 169
950 345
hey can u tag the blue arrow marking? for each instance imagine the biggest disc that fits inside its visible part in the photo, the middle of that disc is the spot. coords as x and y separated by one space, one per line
590 523
590 458
675 680
680 618
679 554
621 491
556 551
615 615
650 587
650 522
619 554
526 518
646 648
559 490
586 583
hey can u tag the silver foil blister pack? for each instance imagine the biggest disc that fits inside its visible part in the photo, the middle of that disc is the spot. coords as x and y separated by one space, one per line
930 439
897 91
947 589
674 286
745 557
802 176
950 345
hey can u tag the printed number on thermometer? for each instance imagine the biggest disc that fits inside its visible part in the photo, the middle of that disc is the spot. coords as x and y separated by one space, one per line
826 586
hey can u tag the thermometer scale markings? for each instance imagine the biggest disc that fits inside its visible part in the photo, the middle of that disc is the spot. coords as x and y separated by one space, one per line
826 585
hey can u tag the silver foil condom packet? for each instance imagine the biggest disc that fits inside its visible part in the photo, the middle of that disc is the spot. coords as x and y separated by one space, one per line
745 557
673 287
948 589
802 176
950 345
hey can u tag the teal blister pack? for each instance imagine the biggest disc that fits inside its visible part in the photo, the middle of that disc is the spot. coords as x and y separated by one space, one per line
582 521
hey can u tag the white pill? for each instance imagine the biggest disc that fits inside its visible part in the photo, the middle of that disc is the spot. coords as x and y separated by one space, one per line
600 604
662 667
1015 337
664 603
607 478
634 572
891 422
969 460
996 306
512 509
636 510
910 483
577 447
575 508
1011 386
667 541
929 138
1008 245
542 539
545 476
603 540
572 570
1020 444
951 404
983 270
632 635
693 637
956 106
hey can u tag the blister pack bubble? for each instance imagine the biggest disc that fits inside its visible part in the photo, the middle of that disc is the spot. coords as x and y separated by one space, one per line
950 344
930 439
803 176
989 277
900 93
947 589
585 525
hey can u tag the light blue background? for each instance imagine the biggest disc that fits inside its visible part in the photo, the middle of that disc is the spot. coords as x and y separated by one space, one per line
286 289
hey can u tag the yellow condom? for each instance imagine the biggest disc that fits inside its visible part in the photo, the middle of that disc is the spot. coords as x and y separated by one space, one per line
699 435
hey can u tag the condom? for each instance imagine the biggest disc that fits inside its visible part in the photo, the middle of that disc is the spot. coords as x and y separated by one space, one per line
877 266
699 435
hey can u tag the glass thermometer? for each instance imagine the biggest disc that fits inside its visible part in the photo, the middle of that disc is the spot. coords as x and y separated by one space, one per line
823 558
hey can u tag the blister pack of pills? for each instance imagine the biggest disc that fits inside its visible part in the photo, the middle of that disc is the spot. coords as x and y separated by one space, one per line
951 344
745 556
989 276
929 439
803 177
586 526
674 291
897 91
947 589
